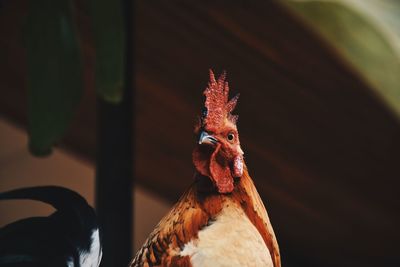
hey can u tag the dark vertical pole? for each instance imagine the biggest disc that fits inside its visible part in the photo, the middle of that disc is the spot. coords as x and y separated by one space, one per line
114 171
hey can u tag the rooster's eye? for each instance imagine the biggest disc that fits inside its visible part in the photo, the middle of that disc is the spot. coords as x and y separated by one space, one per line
230 137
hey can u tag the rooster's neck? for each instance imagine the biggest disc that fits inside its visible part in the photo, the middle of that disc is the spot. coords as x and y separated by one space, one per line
246 197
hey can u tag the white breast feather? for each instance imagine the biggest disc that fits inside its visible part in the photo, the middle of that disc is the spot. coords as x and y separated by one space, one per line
232 240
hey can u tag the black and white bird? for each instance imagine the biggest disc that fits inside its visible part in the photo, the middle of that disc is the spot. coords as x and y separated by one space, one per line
68 237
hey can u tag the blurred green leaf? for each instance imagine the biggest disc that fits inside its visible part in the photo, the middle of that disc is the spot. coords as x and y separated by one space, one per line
54 72
109 36
366 34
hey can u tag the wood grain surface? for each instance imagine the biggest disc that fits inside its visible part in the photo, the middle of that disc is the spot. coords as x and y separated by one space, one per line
323 150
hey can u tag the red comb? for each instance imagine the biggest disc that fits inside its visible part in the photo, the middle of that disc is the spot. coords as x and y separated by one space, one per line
217 105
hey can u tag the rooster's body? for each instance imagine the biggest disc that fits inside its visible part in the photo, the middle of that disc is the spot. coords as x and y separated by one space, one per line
220 220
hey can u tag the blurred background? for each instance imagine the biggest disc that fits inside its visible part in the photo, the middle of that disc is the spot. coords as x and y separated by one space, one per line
102 96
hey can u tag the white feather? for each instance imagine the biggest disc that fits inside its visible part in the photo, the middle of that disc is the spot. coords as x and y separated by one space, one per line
232 240
92 257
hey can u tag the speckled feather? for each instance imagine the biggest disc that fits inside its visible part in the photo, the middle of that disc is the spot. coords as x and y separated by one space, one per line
195 211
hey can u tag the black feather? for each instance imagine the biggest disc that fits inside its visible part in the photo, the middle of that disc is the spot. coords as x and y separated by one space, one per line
56 240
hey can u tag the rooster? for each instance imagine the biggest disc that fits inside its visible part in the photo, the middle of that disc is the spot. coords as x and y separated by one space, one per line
67 238
220 220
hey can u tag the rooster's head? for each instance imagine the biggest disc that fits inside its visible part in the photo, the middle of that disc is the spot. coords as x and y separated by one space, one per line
218 154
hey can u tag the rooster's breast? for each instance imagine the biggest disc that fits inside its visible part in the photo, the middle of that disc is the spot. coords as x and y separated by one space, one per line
230 240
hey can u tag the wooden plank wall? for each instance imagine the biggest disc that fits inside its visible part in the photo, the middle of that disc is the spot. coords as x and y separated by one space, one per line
323 150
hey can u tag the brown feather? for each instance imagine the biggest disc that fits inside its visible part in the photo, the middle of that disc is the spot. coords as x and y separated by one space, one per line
198 205
246 194
181 224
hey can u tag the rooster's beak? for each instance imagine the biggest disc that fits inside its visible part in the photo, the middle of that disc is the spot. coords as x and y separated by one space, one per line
206 138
